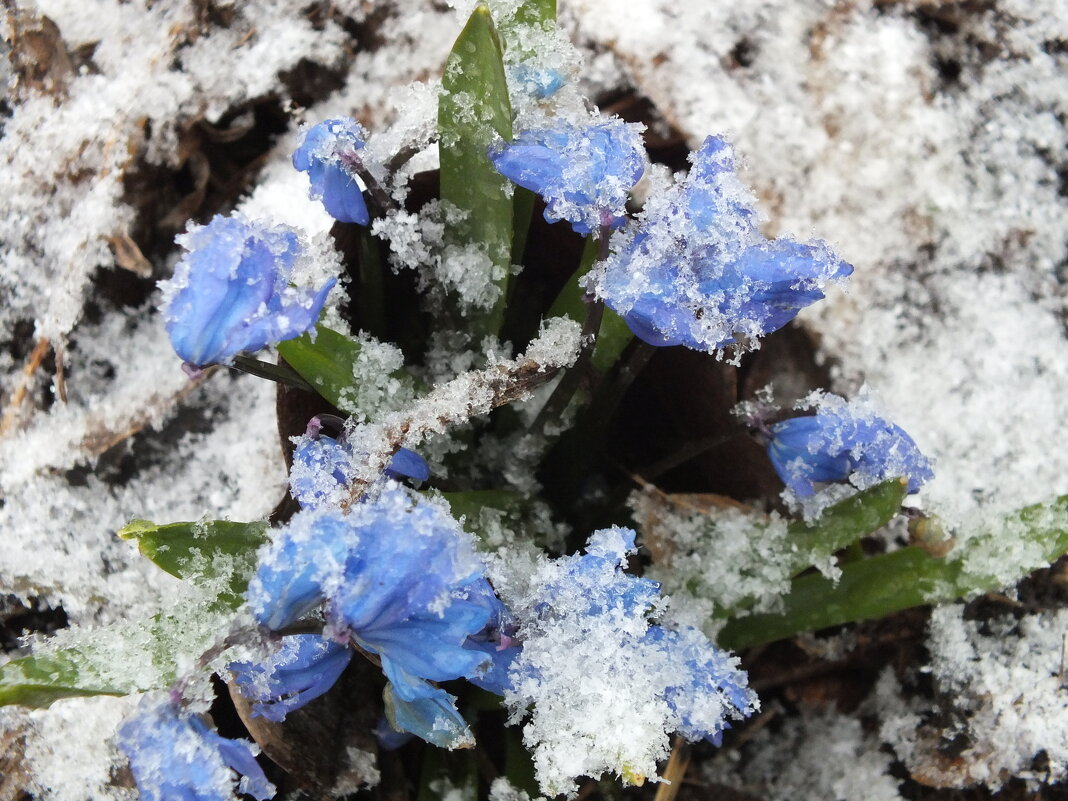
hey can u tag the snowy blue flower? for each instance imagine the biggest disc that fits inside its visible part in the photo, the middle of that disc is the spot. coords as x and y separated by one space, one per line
231 292
583 172
844 440
305 667
399 579
603 685
326 153
176 756
695 270
321 465
707 686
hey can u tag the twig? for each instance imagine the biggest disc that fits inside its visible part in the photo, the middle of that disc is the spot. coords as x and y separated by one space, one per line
33 361
60 379
103 439
674 771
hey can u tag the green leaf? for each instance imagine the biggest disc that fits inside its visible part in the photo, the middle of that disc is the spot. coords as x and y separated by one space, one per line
473 111
200 551
37 681
532 12
216 557
117 659
846 522
614 334
880 585
335 365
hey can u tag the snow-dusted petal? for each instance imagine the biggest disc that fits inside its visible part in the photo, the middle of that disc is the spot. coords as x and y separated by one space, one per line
175 754
231 291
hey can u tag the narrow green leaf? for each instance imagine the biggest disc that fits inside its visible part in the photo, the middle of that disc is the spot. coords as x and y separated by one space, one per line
473 111
200 551
880 585
325 362
37 681
846 522
531 12
117 659
614 335
337 367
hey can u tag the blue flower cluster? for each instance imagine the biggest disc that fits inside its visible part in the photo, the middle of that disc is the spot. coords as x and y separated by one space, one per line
328 152
232 291
583 172
695 270
399 579
174 754
844 441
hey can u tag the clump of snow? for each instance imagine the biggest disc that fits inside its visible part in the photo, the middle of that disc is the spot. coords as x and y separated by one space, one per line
721 558
604 688
1001 685
69 747
818 755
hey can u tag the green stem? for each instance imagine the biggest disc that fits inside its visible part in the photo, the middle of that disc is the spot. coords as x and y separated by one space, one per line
272 372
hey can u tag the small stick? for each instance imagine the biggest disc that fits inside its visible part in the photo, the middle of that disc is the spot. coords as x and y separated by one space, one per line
674 771
33 361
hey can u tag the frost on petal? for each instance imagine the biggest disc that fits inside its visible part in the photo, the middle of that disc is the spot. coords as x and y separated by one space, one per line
322 466
695 270
397 576
231 291
583 172
844 441
326 153
604 687
305 667
174 753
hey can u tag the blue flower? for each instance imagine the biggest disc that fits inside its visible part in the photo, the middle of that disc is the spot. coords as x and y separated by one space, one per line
231 291
305 667
707 686
400 579
844 441
584 173
176 756
327 153
321 465
695 270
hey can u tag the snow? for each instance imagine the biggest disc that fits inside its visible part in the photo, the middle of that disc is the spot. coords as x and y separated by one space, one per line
945 192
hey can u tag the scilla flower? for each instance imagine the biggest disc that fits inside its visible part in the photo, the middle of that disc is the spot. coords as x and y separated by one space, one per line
588 646
844 440
695 270
322 464
303 668
399 579
232 291
175 754
326 153
583 172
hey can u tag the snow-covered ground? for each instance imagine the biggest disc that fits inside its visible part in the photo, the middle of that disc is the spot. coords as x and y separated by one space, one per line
927 140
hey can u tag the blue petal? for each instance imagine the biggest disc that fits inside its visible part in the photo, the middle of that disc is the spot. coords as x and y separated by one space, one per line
433 717
230 293
322 154
306 667
409 464
175 754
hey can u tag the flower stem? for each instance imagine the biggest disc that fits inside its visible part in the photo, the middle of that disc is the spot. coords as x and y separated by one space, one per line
272 372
